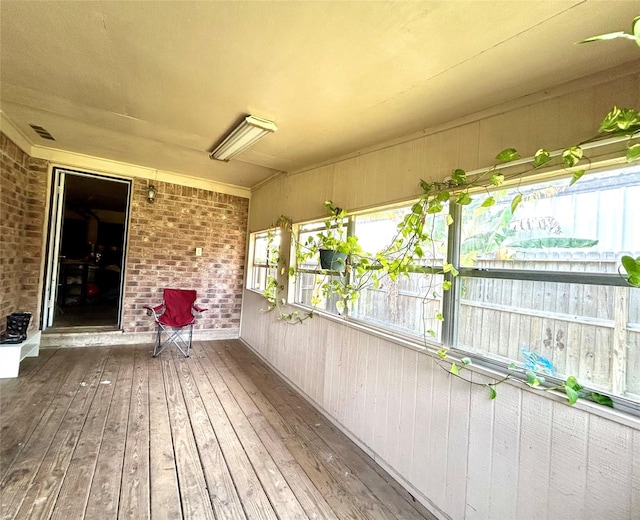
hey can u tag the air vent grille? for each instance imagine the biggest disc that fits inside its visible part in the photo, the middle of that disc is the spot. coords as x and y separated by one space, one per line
42 132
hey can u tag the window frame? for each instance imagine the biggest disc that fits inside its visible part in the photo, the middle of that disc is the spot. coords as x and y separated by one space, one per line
451 299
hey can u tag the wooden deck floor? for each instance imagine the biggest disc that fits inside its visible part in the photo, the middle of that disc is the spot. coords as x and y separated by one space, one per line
109 432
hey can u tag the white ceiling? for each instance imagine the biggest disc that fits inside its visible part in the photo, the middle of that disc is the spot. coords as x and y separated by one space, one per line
157 84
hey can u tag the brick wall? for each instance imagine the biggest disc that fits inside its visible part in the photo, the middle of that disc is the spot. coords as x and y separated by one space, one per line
161 253
161 250
23 196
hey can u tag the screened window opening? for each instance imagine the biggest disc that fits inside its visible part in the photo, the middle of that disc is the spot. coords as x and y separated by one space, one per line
541 282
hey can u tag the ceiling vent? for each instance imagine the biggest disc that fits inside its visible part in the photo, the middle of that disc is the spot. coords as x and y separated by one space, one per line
42 132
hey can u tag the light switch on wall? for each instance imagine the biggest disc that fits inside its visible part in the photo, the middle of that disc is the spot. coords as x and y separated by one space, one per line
198 251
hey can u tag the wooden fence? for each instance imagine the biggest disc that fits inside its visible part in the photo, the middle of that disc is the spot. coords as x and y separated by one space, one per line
589 331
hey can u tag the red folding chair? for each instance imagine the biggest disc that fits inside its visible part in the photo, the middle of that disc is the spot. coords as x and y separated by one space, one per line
173 316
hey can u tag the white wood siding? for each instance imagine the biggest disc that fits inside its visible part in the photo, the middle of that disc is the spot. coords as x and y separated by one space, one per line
520 456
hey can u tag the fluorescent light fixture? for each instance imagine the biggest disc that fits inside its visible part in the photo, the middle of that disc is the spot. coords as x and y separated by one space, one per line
247 133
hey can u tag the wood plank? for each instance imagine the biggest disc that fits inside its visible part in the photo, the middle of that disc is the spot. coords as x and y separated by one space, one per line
439 436
134 491
394 405
407 418
608 461
254 499
41 496
535 455
326 481
363 484
505 449
309 497
164 487
19 474
29 368
568 468
458 446
274 483
74 492
369 393
104 496
36 397
479 466
420 473
620 345
634 505
193 487
383 390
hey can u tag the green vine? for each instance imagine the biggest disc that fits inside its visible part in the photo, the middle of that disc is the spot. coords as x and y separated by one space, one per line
415 242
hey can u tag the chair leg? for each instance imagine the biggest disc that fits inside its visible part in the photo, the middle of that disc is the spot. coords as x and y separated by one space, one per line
190 338
157 344
173 336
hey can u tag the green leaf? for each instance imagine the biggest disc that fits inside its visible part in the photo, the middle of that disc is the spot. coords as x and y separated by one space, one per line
630 264
426 187
446 285
572 394
609 124
512 366
442 353
464 199
532 379
572 382
435 206
635 29
632 267
488 202
601 399
417 208
454 369
449 220
443 196
466 360
633 152
492 392
509 154
439 316
541 157
576 177
459 176
448 268
515 202
496 179
572 155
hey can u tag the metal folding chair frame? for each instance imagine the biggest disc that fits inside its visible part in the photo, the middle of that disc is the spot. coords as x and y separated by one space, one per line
173 333
173 336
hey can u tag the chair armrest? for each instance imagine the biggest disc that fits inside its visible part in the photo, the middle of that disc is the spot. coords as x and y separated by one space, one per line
197 308
154 310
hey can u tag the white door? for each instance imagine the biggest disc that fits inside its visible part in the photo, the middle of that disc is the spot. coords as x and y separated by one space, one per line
53 264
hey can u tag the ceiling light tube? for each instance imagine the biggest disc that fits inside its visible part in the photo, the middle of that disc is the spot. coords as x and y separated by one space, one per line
247 133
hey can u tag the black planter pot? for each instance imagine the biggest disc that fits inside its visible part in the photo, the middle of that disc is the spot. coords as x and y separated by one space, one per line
332 260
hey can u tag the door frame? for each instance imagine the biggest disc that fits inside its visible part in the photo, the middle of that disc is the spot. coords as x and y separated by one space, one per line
54 234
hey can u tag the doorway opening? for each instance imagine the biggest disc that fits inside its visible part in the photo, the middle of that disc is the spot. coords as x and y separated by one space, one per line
86 253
